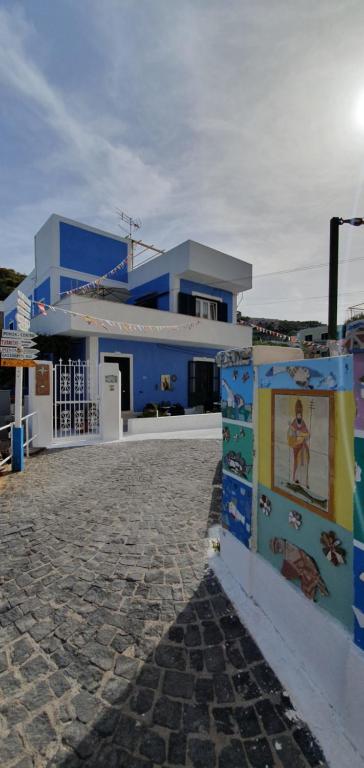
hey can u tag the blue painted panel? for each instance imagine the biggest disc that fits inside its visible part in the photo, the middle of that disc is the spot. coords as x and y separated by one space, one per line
332 373
188 286
42 293
237 508
69 284
359 595
90 252
10 318
159 285
150 361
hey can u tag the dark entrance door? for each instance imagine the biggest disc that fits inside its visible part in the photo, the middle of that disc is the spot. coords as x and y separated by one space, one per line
203 384
124 368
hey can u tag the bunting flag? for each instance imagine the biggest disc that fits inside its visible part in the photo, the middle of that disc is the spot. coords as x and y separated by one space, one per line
41 308
123 326
276 334
95 283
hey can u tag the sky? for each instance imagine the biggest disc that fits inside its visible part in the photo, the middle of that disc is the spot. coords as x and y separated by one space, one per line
238 124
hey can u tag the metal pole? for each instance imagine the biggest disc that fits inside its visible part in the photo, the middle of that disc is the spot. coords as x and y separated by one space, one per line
18 432
333 276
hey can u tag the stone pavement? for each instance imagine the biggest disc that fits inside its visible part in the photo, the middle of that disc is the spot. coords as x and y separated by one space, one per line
118 648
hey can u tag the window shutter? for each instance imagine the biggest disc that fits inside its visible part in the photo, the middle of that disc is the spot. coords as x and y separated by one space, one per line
186 304
222 311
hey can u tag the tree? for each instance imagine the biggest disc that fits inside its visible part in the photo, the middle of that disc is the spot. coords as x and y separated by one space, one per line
9 279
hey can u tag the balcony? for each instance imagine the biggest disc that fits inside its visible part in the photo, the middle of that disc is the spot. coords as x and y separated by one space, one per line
209 333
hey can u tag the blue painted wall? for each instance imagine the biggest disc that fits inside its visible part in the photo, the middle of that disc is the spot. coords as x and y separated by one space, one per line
10 318
90 252
42 293
187 286
69 284
150 361
159 285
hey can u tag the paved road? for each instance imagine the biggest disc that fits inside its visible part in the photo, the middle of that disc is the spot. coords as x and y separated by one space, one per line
118 648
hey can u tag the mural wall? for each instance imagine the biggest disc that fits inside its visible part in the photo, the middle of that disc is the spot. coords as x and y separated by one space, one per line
308 486
237 388
356 341
306 478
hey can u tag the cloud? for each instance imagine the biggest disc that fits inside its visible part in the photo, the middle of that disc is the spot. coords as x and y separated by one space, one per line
106 170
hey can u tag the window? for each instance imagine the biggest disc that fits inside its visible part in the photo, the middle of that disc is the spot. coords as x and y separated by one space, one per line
324 336
206 309
308 337
11 325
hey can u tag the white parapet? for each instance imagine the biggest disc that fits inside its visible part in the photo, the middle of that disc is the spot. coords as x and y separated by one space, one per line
153 425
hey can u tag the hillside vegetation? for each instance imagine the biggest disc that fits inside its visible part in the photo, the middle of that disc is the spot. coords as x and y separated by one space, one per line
9 279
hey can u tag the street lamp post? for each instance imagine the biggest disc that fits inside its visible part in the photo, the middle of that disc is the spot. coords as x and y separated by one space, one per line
335 223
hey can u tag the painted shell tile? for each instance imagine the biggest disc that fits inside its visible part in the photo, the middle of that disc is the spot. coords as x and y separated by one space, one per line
295 519
265 505
332 549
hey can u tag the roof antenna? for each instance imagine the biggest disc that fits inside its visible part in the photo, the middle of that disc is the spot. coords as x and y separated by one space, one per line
134 224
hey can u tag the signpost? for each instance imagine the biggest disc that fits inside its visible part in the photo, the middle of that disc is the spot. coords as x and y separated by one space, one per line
17 349
11 363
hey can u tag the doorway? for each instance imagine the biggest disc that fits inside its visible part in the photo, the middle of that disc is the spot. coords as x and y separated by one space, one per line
125 367
203 384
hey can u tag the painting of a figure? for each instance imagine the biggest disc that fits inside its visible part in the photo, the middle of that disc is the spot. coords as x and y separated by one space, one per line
302 456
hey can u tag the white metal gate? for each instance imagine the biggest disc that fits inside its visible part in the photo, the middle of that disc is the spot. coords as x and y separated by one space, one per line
75 400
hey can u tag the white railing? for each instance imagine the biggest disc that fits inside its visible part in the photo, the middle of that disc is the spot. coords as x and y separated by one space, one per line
27 441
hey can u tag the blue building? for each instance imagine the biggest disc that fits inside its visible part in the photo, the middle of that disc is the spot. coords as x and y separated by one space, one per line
163 321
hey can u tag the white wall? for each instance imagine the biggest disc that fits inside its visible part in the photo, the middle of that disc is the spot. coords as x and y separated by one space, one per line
174 423
312 654
198 262
207 333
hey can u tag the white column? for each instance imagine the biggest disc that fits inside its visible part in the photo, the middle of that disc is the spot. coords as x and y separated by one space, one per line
234 307
43 405
111 423
174 286
92 354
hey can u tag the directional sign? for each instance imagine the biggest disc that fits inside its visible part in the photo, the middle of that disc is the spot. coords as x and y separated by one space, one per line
23 308
22 297
13 342
22 322
19 352
18 363
6 334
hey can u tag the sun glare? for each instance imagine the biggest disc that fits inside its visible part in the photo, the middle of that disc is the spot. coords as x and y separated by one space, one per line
359 110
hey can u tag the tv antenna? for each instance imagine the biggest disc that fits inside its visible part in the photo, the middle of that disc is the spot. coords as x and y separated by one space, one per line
134 224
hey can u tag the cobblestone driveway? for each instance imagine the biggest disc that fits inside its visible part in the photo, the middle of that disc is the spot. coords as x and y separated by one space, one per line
118 647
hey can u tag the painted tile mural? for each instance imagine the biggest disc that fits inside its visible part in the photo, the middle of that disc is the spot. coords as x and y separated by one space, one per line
237 509
237 393
359 596
359 389
237 461
291 539
238 450
359 490
302 432
357 340
305 471
331 373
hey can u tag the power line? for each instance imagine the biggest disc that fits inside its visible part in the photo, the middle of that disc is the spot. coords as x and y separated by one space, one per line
296 298
300 269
